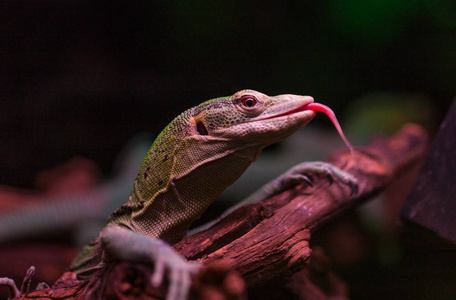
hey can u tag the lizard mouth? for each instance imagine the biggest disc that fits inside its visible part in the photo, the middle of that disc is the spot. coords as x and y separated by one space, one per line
313 106
293 111
301 108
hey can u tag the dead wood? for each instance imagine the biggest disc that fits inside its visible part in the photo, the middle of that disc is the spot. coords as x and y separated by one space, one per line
269 239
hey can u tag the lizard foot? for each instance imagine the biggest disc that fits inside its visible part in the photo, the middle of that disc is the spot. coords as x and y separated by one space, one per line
296 175
143 249
25 287
179 271
9 283
323 169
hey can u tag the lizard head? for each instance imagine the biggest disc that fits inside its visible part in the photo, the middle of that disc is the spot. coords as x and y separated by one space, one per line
252 117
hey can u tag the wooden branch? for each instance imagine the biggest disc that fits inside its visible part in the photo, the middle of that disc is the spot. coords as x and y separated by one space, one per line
268 239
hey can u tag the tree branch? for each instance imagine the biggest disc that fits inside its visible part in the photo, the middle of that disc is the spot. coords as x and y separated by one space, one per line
269 239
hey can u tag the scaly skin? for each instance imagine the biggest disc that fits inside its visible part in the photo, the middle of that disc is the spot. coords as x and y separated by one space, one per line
198 155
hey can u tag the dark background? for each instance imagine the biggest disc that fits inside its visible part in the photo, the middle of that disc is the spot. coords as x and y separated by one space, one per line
82 77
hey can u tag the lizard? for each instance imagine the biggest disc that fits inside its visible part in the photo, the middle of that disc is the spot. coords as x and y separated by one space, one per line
200 153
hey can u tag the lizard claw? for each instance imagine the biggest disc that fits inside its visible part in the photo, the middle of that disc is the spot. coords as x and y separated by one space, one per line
326 169
353 187
42 286
180 281
294 179
159 272
350 181
143 249
25 287
14 291
307 180
330 178
179 273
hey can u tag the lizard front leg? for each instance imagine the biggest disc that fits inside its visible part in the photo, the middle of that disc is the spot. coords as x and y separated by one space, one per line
298 174
123 244
295 175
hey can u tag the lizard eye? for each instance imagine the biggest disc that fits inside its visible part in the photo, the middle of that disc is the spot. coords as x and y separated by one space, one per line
249 104
248 101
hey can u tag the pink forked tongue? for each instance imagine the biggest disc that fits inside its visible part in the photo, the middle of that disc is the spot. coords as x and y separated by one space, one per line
328 111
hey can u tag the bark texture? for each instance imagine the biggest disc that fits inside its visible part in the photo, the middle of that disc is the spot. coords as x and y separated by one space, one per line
267 240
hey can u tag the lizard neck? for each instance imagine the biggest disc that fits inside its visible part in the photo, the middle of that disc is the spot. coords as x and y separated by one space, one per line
198 176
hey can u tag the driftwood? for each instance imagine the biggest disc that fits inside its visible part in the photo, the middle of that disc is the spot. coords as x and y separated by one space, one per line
266 240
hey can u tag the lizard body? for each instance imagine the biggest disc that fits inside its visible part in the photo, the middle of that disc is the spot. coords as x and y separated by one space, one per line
200 153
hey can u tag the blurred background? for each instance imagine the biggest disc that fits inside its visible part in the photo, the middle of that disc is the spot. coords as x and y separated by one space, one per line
81 78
